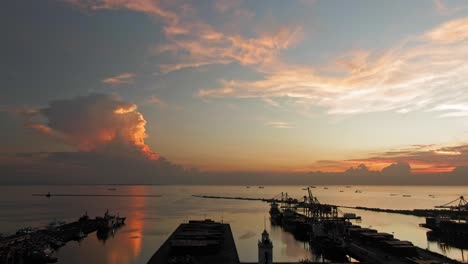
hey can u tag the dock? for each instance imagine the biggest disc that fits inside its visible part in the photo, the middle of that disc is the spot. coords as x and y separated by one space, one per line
336 237
35 246
204 241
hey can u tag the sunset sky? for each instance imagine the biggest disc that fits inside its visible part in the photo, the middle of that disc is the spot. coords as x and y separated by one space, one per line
233 85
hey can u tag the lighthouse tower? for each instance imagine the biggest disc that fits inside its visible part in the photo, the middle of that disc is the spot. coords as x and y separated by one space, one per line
265 249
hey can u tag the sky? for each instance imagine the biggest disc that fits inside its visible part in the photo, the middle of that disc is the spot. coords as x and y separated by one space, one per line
214 89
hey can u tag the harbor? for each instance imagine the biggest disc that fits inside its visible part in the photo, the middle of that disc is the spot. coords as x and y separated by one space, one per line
37 245
333 233
150 222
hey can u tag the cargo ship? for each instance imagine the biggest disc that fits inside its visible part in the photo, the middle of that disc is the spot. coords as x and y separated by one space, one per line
456 227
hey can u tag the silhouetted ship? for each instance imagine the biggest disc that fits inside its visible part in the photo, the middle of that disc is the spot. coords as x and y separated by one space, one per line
36 245
204 241
445 226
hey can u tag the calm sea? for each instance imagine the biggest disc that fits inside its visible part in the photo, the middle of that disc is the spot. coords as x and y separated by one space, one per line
151 220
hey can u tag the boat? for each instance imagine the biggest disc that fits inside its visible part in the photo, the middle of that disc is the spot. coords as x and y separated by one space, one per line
304 189
358 191
393 194
406 195
48 195
110 221
347 186
261 187
111 189
312 186
450 226
341 191
247 186
275 213
326 188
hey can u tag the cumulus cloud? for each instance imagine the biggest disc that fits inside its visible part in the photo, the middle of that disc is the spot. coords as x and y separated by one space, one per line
96 122
119 79
423 159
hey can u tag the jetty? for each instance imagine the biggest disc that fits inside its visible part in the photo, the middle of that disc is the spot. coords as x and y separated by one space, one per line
48 195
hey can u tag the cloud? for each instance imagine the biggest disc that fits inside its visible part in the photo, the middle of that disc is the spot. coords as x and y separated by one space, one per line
279 124
154 100
420 73
89 167
192 42
120 79
443 9
423 159
98 123
450 32
149 7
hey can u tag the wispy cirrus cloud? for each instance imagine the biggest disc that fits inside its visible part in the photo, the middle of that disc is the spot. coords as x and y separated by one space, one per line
155 100
442 8
192 42
279 124
123 78
420 73
424 72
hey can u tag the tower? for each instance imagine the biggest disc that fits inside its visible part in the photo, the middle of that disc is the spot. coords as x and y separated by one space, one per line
265 249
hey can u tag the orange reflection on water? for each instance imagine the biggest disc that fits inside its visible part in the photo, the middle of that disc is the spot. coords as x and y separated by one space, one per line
128 248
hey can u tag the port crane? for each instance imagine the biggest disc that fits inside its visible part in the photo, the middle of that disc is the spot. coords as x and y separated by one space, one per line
461 206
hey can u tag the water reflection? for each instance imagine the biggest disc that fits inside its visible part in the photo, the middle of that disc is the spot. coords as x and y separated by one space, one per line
447 243
151 220
128 246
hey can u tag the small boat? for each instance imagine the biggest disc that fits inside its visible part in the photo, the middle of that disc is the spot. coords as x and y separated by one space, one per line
347 186
341 191
326 188
247 186
406 195
261 187
393 194
304 189
48 195
358 191
111 189
312 186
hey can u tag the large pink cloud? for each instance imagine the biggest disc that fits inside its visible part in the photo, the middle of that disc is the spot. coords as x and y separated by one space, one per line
96 122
